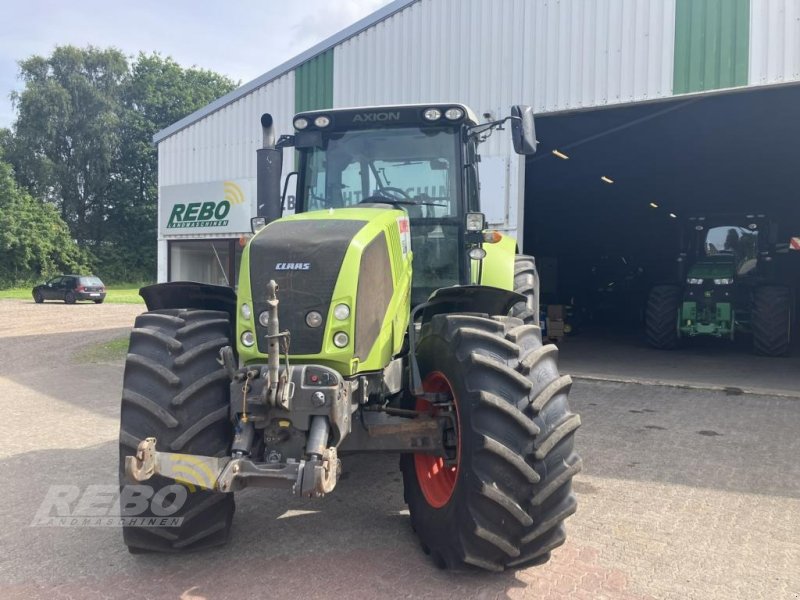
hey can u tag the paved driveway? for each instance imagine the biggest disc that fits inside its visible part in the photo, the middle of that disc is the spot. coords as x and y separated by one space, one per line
685 493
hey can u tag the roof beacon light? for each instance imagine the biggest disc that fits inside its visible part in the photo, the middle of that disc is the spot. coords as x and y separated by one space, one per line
432 114
454 114
322 121
300 123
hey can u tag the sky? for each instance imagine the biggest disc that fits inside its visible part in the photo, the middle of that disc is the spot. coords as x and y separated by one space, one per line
238 38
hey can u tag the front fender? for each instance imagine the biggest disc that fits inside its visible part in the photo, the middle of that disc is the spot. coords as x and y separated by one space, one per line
190 294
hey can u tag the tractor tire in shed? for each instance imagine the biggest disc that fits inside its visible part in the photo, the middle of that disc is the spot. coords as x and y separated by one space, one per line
175 390
501 498
772 320
661 316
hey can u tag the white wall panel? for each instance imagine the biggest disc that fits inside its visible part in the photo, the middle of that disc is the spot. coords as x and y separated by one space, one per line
554 54
774 41
223 144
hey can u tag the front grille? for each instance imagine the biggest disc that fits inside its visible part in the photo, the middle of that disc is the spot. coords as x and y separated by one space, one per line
304 258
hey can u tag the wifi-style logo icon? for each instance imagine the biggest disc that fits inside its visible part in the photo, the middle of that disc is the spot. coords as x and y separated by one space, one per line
192 472
233 193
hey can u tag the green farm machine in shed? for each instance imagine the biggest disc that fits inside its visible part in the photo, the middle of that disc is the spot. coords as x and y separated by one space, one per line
382 317
731 281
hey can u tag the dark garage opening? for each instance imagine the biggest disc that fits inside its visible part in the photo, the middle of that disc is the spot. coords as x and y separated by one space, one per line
734 152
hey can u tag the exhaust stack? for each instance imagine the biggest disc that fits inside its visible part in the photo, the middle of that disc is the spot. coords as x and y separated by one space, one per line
268 173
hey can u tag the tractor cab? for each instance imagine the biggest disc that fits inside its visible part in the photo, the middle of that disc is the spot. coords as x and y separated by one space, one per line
421 159
727 247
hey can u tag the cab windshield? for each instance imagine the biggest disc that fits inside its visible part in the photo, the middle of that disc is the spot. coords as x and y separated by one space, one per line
739 243
413 168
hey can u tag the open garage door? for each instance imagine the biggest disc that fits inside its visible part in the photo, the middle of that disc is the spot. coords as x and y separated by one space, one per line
608 196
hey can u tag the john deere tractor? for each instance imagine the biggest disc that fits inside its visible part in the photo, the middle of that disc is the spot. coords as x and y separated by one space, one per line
729 284
382 316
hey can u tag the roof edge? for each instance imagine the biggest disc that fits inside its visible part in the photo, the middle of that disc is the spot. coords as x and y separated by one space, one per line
326 44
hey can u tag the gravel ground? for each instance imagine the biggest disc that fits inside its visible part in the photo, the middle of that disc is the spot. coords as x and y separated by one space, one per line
684 494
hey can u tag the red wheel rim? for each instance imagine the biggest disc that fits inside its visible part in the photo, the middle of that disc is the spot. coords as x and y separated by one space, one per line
437 480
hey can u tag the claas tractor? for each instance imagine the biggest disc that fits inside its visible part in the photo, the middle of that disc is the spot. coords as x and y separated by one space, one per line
730 282
383 316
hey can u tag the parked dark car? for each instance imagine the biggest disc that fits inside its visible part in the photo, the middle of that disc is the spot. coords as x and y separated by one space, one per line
71 288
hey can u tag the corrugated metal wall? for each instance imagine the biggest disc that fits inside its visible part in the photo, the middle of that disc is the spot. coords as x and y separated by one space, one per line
553 54
774 41
313 83
223 145
711 44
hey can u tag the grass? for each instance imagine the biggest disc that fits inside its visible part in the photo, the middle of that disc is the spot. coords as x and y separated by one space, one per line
104 352
121 293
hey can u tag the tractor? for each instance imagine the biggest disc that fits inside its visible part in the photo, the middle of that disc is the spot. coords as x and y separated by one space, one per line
730 282
382 316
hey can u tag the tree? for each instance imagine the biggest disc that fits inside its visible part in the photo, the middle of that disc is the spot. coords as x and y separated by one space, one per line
157 93
82 141
34 241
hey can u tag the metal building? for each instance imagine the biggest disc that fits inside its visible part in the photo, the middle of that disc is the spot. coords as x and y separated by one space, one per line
563 57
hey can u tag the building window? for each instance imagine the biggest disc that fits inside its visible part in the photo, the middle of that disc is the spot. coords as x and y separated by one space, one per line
205 261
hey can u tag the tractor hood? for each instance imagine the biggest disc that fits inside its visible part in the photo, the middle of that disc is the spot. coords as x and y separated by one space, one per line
713 267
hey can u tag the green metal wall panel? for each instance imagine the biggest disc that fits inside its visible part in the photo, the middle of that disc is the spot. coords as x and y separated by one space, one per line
313 83
712 43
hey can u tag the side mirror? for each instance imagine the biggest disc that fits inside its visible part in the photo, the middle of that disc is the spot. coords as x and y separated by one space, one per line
523 130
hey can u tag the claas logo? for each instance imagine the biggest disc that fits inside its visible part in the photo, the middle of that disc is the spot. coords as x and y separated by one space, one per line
206 214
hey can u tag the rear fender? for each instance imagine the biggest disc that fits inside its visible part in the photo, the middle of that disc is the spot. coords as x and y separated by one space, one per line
497 269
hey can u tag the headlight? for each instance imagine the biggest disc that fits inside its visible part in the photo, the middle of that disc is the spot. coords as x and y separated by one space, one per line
694 281
724 281
263 318
246 312
300 123
477 253
454 113
313 319
322 121
341 339
432 114
341 312
248 339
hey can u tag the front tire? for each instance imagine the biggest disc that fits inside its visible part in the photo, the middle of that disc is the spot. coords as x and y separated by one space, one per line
175 390
772 320
504 501
38 298
661 317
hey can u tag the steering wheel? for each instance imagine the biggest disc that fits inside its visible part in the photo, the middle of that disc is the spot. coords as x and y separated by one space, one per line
380 194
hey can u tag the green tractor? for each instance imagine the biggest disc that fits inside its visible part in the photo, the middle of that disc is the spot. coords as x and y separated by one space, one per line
381 317
730 284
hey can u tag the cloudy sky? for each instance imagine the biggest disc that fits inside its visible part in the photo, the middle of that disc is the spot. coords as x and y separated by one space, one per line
240 38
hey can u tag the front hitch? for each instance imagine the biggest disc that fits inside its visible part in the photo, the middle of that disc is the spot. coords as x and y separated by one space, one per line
312 478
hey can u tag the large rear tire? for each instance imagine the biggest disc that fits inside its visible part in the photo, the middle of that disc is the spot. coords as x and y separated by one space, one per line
175 390
526 282
772 320
503 502
661 317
